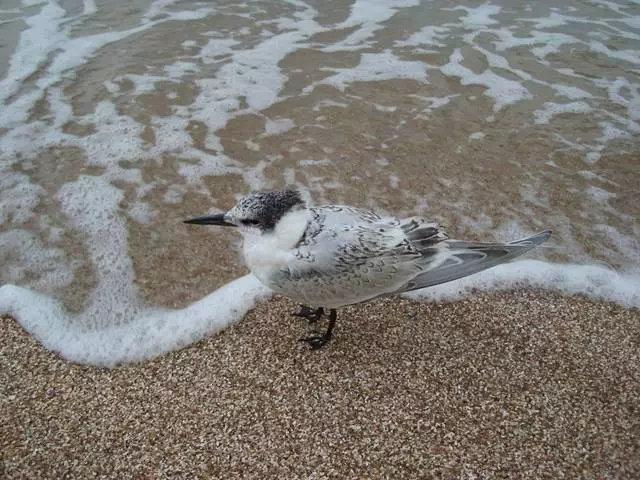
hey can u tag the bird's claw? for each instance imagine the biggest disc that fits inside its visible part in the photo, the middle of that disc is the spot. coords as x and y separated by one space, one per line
311 314
315 341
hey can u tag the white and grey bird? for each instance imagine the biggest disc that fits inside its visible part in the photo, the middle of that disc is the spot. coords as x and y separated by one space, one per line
337 255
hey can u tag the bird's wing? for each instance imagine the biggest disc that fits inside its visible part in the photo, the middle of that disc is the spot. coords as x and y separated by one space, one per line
460 258
345 238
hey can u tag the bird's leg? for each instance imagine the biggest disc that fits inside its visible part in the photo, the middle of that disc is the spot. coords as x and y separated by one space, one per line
311 314
317 340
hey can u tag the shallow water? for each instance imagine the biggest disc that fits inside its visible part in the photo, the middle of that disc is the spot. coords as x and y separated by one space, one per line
120 119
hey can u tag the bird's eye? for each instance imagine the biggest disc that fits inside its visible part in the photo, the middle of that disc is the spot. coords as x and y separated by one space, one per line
250 221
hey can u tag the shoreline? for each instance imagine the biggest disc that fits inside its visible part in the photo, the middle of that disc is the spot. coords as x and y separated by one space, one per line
521 382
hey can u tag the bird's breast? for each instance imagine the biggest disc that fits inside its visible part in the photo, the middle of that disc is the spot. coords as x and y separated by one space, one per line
263 255
266 253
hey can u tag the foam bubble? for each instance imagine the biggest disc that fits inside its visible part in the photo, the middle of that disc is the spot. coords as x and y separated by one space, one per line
27 260
20 197
141 212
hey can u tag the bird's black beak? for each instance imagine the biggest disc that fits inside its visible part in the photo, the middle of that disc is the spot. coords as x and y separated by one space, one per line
217 219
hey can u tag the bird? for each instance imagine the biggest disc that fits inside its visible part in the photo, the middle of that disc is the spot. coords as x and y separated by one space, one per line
331 256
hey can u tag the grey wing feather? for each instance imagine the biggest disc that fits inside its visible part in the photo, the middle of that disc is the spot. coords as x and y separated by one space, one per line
462 258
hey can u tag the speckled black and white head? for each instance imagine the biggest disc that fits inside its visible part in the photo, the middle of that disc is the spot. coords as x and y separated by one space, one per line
259 211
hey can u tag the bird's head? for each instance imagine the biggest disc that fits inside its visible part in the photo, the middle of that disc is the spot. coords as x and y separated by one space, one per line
256 213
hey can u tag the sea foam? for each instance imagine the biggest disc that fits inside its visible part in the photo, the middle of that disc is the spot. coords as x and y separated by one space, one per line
152 332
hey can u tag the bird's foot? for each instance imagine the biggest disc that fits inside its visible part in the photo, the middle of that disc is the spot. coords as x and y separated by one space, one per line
311 314
316 340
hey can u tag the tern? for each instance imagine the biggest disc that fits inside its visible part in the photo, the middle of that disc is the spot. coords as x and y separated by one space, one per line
331 256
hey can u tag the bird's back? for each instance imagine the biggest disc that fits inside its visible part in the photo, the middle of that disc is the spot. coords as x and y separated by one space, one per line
349 255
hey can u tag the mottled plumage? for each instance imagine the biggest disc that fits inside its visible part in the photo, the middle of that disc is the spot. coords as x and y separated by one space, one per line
336 255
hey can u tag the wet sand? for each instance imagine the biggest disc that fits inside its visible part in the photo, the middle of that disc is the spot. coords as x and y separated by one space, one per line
522 384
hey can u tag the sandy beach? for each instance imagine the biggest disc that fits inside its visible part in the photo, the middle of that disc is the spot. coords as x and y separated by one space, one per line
495 119
523 384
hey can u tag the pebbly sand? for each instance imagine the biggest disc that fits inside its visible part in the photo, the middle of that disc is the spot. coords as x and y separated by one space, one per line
523 384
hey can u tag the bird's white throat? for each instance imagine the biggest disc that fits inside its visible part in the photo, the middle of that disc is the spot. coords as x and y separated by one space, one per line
266 250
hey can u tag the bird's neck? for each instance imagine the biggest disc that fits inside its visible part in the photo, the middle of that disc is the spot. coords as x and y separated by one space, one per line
271 249
291 227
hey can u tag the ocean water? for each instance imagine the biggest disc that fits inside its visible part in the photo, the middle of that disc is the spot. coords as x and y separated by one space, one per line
122 118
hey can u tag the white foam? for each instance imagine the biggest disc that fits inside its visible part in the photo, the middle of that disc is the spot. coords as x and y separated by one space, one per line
502 90
217 49
253 146
375 67
25 259
367 15
42 35
89 7
477 136
179 69
548 42
593 281
428 36
19 198
384 108
571 92
310 163
276 127
394 181
631 100
599 194
174 194
550 109
434 103
329 103
151 332
592 157
627 244
141 212
611 132
148 333
631 56
553 20
478 17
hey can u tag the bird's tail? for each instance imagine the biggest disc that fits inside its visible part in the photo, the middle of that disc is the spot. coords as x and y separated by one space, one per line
461 259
